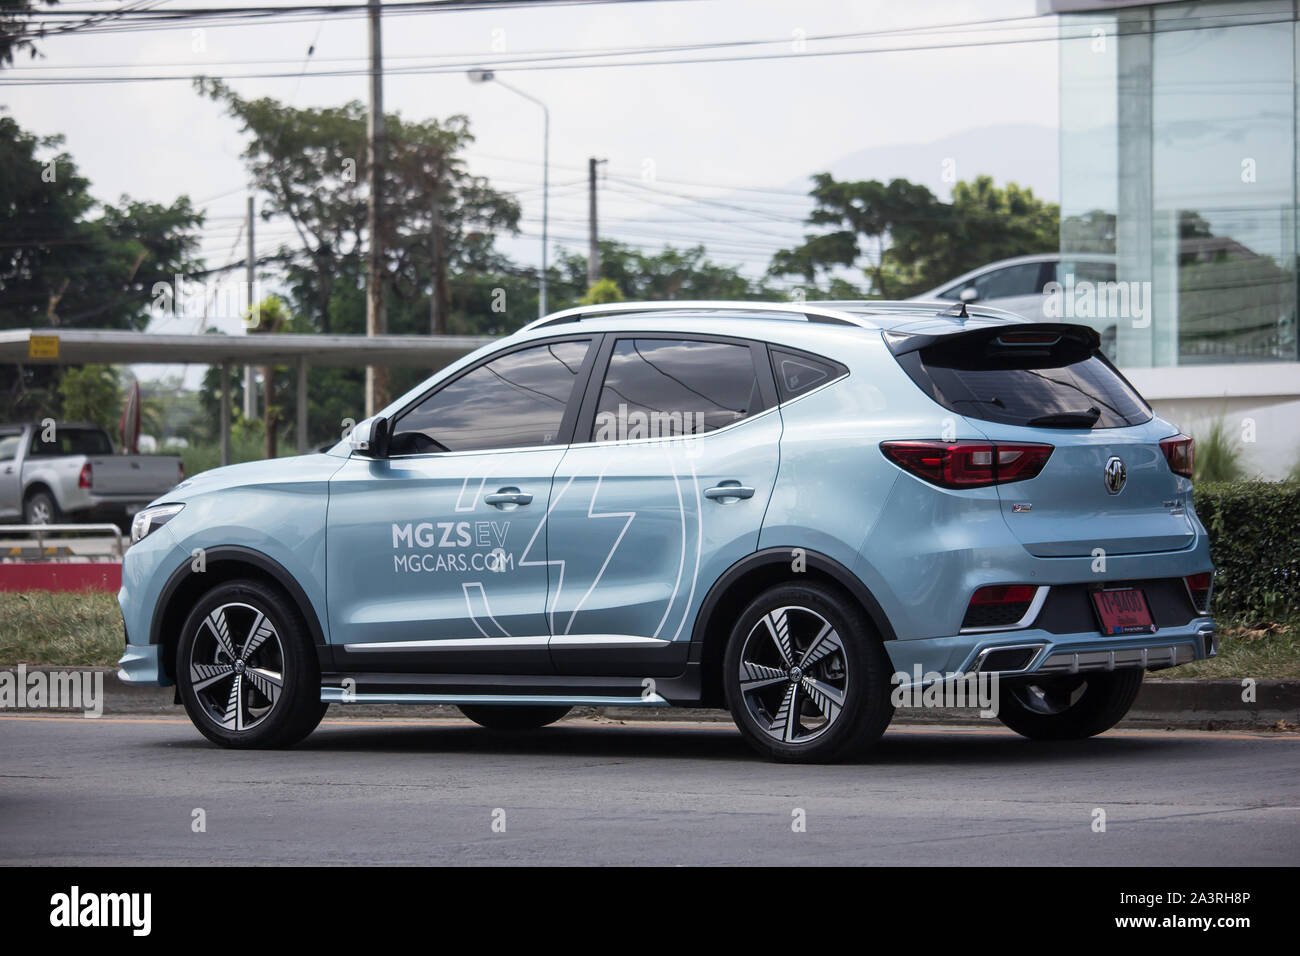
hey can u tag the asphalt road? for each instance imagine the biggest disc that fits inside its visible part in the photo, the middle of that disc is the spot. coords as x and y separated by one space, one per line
124 790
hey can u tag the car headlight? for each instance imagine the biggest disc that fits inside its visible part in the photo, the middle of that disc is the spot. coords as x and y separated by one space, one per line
149 520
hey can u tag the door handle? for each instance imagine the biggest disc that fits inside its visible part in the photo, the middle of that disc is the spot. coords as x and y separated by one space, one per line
728 490
508 496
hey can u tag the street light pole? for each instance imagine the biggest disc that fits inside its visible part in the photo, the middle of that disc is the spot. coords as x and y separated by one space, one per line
484 76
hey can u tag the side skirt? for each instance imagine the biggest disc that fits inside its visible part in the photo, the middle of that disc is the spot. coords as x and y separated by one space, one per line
507 689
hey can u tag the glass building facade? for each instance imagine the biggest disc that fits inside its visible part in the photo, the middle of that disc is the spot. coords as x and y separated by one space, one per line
1178 158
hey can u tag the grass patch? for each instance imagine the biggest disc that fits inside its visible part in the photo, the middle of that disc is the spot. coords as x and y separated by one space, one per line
77 628
1248 648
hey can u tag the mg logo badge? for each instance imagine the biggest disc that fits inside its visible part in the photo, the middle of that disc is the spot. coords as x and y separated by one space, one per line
1116 475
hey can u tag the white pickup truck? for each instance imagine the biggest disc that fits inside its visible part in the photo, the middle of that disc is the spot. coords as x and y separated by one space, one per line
75 475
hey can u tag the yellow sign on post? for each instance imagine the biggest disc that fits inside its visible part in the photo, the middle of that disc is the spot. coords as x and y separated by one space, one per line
43 347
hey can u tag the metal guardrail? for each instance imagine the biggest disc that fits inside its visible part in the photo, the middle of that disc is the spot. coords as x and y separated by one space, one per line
67 533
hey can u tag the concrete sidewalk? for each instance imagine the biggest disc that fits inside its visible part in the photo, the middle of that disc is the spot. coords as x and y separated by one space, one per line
1184 704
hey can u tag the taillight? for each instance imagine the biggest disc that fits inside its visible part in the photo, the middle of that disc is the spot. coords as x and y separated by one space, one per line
1180 452
968 464
84 479
999 605
1199 587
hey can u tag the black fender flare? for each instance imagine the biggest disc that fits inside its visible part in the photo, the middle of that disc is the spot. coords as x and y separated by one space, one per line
782 556
243 555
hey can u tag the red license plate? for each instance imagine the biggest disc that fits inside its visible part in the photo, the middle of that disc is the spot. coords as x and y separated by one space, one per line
1123 611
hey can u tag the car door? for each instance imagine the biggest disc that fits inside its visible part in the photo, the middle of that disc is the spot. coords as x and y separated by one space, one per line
436 556
669 491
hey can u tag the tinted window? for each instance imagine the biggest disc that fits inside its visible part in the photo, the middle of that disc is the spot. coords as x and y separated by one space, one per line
72 441
798 372
1011 281
657 388
1087 270
1053 385
513 401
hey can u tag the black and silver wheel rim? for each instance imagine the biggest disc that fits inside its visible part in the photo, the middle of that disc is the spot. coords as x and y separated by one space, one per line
793 674
1049 699
236 666
40 511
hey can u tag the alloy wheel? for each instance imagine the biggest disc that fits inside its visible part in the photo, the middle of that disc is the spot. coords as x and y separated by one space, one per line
793 674
236 666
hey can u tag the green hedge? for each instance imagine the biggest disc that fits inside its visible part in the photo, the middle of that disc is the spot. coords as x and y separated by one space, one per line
1254 531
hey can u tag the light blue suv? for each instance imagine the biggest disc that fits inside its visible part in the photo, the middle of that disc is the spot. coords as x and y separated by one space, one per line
789 510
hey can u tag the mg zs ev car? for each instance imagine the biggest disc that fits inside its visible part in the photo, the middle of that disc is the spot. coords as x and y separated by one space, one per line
789 510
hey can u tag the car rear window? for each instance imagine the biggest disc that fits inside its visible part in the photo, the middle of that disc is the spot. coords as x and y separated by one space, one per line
1026 379
72 441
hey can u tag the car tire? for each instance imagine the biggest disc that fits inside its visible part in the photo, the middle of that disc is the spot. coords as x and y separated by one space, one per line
513 717
40 508
806 676
1068 708
241 638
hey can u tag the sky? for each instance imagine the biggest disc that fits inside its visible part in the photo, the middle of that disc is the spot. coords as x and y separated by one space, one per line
754 130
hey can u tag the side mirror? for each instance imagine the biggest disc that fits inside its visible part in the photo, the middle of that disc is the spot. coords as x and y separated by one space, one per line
969 294
369 437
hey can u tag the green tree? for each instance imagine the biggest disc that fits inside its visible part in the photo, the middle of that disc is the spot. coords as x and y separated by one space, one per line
910 239
670 273
91 393
15 24
311 166
601 292
67 260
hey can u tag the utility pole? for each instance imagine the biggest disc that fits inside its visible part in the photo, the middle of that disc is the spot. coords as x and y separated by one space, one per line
593 255
250 269
376 320
437 321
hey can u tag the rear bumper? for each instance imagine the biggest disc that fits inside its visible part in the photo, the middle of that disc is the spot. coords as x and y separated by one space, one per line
1042 652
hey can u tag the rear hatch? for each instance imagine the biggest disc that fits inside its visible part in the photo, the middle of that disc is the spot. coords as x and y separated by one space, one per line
1107 483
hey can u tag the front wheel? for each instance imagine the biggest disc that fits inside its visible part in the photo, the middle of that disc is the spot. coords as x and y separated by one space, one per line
247 670
806 676
513 717
1068 708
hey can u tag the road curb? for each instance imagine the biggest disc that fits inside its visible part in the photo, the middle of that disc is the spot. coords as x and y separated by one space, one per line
1183 704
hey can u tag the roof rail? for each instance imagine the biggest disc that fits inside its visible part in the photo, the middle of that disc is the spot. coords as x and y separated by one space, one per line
794 311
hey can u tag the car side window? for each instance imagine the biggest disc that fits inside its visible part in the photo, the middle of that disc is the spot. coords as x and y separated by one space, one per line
799 372
9 447
1011 281
515 401
660 388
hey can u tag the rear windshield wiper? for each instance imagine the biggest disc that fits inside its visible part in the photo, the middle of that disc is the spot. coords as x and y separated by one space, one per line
1068 419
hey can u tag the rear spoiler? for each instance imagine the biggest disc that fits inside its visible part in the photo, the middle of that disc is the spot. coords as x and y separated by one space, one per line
1011 334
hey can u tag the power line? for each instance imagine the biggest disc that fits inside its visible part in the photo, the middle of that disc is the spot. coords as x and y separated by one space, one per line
585 61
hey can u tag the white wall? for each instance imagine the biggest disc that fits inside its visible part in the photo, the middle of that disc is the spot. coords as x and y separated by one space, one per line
1259 404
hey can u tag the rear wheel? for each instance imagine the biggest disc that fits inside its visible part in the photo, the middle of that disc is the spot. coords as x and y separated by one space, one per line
1068 708
806 676
40 508
513 717
247 670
